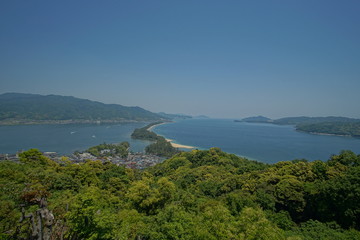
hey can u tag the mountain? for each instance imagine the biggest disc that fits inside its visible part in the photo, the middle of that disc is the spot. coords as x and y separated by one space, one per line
258 119
333 128
317 125
312 120
25 108
174 116
202 117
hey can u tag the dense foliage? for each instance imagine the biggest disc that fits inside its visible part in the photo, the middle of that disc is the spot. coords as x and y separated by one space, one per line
16 106
323 125
161 148
257 119
193 195
338 128
311 120
110 150
174 116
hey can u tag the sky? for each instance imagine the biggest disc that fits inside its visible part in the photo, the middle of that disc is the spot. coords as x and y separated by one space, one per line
223 59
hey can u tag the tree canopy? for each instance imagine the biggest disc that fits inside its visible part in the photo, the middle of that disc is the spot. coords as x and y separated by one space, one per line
192 195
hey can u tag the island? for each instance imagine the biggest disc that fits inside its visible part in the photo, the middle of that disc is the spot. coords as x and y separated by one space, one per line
257 119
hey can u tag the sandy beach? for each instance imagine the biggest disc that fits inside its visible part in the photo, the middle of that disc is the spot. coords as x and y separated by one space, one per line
176 145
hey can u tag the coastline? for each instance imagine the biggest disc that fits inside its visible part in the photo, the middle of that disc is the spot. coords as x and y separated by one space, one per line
151 128
325 134
175 145
63 122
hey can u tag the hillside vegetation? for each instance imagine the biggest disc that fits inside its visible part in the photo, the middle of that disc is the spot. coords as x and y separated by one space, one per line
193 195
312 120
23 108
324 125
321 125
110 150
337 128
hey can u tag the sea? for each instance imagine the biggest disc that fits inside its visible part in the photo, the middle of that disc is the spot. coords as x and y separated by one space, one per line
65 139
263 142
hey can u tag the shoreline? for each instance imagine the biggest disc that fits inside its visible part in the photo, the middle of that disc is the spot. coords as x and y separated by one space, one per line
175 145
64 122
326 134
151 128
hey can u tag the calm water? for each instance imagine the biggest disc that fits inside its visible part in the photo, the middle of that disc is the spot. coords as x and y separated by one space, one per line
264 142
66 139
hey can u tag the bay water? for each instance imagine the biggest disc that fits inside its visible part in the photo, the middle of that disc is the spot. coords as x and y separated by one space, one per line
259 141
264 142
67 138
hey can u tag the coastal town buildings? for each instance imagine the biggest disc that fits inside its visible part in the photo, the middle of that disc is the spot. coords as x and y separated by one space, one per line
133 160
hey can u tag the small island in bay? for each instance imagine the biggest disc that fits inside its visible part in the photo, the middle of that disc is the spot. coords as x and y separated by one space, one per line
257 119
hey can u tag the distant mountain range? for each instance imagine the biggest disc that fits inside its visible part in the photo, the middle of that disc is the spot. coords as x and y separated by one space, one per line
258 119
181 116
174 116
17 108
312 120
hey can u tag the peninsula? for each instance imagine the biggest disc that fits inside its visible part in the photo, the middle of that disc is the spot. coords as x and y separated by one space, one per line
340 126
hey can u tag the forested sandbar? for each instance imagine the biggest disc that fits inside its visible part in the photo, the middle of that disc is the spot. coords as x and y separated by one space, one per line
155 125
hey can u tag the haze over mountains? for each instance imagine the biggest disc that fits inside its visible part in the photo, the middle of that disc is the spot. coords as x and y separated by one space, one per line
15 107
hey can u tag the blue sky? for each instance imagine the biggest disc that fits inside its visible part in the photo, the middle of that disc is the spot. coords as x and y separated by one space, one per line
226 59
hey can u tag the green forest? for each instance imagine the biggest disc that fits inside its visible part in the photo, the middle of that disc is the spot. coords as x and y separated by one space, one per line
206 194
337 128
318 125
18 108
110 150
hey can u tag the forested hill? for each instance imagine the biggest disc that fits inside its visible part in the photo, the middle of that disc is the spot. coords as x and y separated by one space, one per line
193 195
258 119
18 107
324 125
318 125
313 120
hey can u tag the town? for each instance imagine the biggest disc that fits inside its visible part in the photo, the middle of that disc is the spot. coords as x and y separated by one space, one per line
137 160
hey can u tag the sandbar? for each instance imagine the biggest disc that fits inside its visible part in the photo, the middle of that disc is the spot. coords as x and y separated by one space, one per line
176 145
151 128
